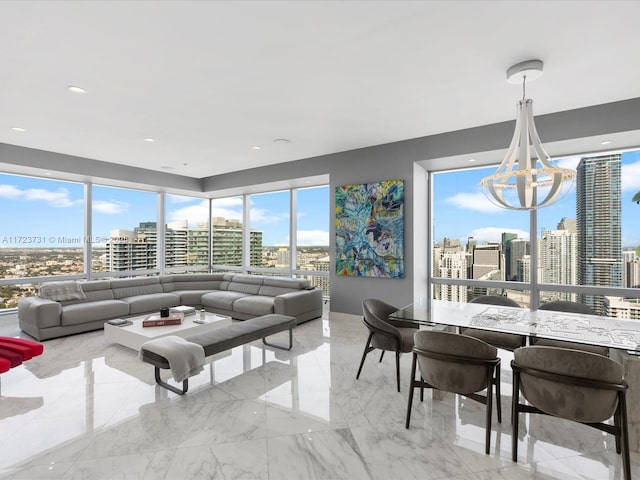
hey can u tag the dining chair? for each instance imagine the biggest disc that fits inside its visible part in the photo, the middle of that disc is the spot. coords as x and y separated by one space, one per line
458 364
574 385
385 334
569 307
505 341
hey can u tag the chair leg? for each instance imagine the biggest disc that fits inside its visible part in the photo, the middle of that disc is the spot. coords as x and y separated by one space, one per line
624 434
411 388
381 356
398 369
364 354
487 438
514 416
498 398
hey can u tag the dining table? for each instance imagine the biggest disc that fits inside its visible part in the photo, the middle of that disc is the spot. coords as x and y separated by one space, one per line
621 336
614 333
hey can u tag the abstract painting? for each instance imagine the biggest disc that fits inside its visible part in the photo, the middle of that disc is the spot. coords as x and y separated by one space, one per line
370 229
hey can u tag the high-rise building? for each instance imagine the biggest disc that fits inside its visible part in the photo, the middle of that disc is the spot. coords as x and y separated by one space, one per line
558 260
184 246
486 260
451 265
518 248
598 222
619 307
507 238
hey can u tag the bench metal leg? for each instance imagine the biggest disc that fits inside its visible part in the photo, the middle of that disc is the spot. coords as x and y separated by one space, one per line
162 383
264 340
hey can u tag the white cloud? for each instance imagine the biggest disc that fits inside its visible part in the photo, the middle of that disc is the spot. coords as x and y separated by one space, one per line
9 191
192 213
494 234
56 198
262 216
631 176
310 238
475 201
111 207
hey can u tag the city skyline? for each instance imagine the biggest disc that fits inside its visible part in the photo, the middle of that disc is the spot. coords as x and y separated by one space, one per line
460 209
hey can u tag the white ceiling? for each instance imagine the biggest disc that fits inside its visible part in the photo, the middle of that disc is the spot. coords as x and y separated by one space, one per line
210 80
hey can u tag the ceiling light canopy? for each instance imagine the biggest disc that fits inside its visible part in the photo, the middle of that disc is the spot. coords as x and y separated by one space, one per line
537 183
76 89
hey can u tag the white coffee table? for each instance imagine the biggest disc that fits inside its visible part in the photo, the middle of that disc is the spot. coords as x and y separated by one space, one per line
133 336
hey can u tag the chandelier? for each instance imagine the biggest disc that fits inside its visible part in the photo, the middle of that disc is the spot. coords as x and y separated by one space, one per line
526 169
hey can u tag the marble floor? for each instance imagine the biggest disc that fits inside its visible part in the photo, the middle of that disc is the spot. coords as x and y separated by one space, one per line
86 409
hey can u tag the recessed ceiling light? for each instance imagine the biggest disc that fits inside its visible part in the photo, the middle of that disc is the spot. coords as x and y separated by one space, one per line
256 147
149 139
75 89
166 167
605 142
48 174
472 159
282 140
18 129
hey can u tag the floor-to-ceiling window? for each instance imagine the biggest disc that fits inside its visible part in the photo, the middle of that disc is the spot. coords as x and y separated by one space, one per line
123 229
312 235
269 221
187 235
42 233
582 248
227 244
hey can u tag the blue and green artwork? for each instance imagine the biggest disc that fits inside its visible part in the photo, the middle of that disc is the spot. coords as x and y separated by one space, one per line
370 229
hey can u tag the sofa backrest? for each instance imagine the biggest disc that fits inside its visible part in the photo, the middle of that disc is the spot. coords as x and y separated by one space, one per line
97 290
129 287
273 286
245 284
191 281
93 291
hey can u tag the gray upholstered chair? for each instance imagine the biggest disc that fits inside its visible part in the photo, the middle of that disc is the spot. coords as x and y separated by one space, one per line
574 385
506 341
459 364
385 334
569 307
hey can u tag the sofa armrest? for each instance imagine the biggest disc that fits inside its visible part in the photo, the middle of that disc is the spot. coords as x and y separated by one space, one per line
39 312
296 303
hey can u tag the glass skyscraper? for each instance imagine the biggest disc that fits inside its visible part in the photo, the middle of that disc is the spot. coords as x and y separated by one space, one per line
598 220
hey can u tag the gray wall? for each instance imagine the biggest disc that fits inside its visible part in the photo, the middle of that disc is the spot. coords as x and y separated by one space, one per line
383 162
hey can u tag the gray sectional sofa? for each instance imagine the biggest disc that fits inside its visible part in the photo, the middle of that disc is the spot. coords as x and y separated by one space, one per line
65 308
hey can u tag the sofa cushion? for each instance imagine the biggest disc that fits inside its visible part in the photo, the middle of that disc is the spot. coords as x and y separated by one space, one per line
131 287
246 288
150 302
61 291
295 283
254 305
94 290
195 281
80 313
190 297
273 291
221 299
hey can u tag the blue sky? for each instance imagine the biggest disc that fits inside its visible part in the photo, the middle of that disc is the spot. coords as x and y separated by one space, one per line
461 209
41 212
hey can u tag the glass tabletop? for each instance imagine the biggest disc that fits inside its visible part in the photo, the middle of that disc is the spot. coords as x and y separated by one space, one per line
588 329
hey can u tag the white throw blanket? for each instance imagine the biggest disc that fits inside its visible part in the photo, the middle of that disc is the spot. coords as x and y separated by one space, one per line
185 358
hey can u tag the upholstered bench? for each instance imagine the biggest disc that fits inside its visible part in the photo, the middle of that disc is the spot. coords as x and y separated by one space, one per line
222 339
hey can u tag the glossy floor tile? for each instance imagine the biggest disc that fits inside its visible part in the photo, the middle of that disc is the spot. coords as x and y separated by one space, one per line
86 409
